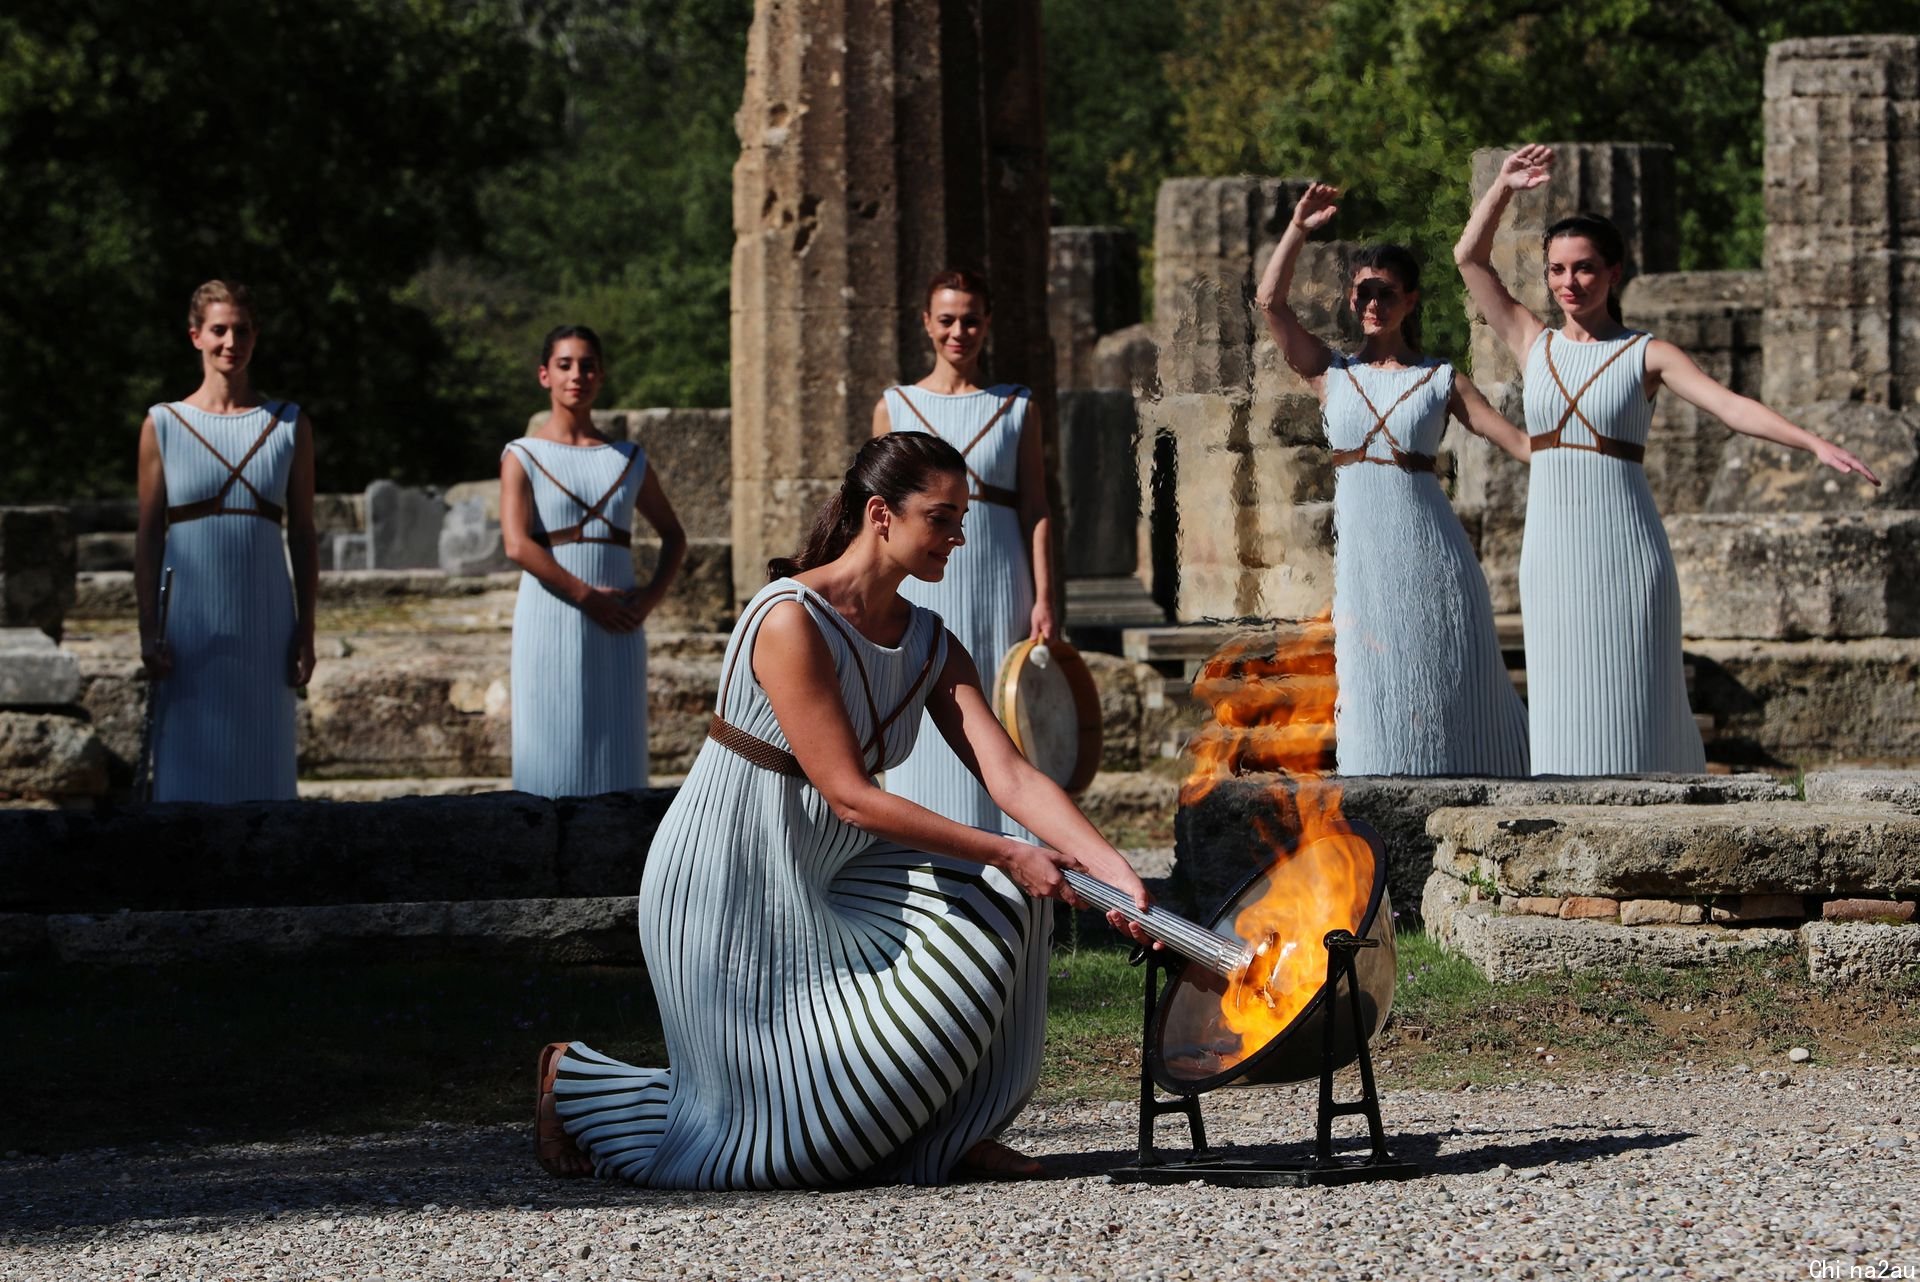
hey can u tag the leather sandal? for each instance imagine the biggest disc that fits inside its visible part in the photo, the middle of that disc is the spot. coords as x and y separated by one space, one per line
553 1148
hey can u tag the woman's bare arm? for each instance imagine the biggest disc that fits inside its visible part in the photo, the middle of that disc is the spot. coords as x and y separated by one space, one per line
1667 363
1476 412
303 552
1036 519
1516 326
149 547
658 512
1305 354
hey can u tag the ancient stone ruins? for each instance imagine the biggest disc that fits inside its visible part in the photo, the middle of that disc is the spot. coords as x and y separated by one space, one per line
1193 499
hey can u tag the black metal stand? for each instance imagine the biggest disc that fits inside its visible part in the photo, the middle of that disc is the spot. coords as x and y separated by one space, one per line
1244 1169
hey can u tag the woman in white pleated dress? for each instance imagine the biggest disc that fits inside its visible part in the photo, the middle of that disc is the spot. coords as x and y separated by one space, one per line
1606 686
219 472
1423 689
999 588
851 986
568 496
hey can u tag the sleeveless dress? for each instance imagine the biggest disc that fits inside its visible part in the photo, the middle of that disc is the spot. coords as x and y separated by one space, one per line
224 727
986 596
1423 688
579 691
1606 687
834 1006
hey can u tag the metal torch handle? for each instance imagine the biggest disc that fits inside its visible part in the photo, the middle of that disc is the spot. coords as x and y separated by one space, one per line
1222 954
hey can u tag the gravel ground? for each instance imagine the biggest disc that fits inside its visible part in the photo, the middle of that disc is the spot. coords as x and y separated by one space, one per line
1698 1174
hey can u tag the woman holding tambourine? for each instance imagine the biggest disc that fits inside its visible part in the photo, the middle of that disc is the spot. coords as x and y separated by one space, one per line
998 590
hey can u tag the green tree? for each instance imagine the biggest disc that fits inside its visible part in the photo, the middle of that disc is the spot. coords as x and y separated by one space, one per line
321 153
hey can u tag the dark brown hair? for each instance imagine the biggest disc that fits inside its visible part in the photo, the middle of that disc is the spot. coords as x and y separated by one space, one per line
891 466
1605 237
560 333
1398 262
967 282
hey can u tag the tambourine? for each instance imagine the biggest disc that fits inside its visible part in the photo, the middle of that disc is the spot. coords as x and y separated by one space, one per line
1045 697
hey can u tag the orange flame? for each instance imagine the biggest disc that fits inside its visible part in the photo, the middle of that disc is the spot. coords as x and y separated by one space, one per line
1273 698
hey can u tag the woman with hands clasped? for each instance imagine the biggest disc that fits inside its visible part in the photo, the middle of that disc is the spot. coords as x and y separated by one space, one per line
567 498
1423 687
1605 683
850 985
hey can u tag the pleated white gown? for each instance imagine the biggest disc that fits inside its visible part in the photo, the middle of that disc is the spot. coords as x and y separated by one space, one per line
834 1007
986 597
225 717
1423 687
579 691
1606 685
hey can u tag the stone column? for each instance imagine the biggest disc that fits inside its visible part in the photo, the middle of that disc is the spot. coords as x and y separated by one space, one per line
1093 289
1843 220
1631 183
1238 433
879 143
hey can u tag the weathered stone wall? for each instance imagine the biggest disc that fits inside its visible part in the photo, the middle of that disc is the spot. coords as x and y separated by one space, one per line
1715 317
1093 289
36 568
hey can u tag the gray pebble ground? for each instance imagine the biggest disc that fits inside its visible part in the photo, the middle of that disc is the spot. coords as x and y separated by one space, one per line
1702 1174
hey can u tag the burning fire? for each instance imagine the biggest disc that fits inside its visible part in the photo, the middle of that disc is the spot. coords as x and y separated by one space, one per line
1272 700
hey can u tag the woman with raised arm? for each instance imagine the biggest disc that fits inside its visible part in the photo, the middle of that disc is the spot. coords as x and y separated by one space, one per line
1606 688
219 471
999 589
851 986
567 498
1423 688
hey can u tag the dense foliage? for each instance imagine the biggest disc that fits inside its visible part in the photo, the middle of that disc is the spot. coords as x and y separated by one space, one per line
417 189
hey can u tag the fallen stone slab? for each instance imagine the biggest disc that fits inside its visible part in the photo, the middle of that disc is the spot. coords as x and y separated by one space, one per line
49 757
1893 787
1510 946
34 671
1858 952
603 930
1641 852
179 856
1809 704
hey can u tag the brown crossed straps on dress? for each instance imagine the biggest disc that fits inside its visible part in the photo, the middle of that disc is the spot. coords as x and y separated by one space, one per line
772 757
1611 446
577 532
217 505
1405 460
981 490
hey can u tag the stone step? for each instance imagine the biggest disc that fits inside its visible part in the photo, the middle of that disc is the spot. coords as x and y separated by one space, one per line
1859 848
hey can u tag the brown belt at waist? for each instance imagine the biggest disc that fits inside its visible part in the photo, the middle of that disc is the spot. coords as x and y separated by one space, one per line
1405 460
996 494
217 506
577 534
1606 445
753 748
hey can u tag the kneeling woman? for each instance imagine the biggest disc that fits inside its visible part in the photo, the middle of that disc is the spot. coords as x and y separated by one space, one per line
849 984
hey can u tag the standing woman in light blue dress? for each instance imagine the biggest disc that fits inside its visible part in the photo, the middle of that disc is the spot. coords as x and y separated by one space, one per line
999 589
1423 687
1606 686
851 986
567 499
219 471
